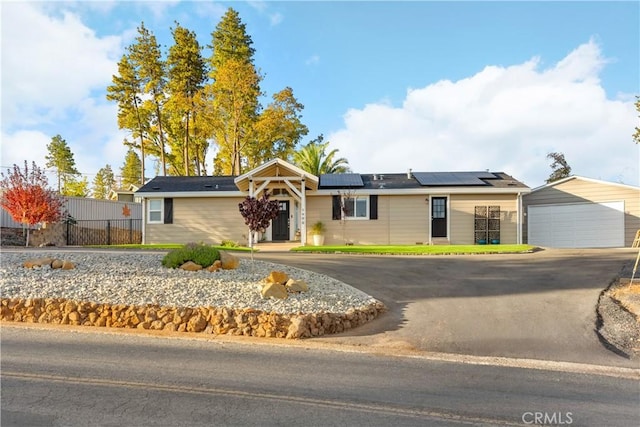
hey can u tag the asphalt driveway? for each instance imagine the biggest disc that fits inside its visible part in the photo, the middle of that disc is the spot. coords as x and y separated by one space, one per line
538 306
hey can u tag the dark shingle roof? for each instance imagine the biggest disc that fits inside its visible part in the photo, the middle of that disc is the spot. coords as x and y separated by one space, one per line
390 181
175 184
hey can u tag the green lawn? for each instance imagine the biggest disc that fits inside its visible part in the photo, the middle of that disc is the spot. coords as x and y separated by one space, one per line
167 246
418 249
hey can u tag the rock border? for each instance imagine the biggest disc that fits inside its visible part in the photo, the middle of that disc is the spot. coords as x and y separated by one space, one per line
208 320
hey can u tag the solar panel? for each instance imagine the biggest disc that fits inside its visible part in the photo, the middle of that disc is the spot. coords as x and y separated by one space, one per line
452 178
341 180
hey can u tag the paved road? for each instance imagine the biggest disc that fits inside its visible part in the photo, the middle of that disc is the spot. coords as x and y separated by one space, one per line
537 306
61 378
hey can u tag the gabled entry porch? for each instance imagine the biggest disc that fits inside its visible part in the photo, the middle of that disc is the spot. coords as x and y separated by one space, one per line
288 184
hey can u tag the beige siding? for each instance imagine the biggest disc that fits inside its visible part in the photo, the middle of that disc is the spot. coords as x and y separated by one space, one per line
201 220
462 213
583 191
408 219
401 220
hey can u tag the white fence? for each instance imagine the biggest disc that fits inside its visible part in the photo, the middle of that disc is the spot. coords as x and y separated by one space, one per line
80 208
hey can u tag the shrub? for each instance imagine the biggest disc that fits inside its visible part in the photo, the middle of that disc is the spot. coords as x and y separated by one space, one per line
199 253
229 244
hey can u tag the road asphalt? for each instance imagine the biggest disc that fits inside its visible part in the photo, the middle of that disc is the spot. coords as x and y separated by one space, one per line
539 305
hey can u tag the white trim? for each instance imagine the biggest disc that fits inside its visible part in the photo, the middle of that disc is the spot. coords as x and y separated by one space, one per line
355 197
332 192
447 216
424 191
583 178
519 219
161 220
279 162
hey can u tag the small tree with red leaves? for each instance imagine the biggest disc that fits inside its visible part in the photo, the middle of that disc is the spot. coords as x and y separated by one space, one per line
258 214
27 197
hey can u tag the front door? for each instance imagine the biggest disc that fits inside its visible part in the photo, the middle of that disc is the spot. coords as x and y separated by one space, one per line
280 225
438 217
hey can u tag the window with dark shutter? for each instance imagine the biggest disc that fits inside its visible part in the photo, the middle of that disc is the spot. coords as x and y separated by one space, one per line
373 206
168 211
336 207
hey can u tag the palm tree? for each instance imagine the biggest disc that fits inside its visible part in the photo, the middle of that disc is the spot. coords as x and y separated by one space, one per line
314 159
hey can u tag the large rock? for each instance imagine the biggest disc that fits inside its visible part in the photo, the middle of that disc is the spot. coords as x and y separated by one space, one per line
296 286
228 261
278 277
40 262
274 290
196 324
217 265
68 265
57 263
190 266
298 328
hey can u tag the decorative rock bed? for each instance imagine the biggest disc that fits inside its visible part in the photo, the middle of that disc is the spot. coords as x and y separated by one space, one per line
133 290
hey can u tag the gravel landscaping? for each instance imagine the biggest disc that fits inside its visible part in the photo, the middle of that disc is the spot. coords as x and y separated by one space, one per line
139 279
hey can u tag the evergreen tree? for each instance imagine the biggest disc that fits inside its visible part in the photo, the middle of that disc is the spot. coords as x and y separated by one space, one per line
145 53
61 159
76 187
125 90
130 170
103 182
187 72
278 129
559 168
235 91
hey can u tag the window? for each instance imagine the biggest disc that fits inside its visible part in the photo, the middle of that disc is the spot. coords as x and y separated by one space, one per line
155 211
356 207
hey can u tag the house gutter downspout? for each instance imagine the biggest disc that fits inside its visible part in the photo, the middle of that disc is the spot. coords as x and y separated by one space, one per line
519 216
144 221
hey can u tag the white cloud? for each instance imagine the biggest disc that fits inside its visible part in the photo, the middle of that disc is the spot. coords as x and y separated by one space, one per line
53 66
275 18
50 64
504 119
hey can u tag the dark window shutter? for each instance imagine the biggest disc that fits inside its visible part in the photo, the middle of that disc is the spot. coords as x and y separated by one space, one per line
168 211
373 206
336 207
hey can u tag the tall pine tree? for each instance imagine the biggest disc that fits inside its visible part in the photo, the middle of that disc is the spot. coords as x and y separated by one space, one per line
103 182
187 72
130 170
235 89
126 90
61 159
146 56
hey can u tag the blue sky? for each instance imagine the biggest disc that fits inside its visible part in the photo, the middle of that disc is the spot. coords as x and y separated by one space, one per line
393 85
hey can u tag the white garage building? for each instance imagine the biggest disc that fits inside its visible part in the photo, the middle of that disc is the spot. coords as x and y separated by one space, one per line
579 212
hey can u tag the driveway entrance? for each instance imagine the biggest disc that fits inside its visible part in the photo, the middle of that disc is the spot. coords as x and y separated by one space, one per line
537 306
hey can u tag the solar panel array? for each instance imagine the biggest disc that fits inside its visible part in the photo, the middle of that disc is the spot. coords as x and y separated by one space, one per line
341 180
452 178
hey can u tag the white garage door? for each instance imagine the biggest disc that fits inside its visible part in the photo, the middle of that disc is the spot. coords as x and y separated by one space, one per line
583 225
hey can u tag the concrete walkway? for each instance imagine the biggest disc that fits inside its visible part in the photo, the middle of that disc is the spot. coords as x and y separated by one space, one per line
536 306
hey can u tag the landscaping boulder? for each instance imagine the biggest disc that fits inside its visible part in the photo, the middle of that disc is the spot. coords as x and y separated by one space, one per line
57 263
296 286
278 277
274 290
39 262
190 266
217 265
68 265
229 262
